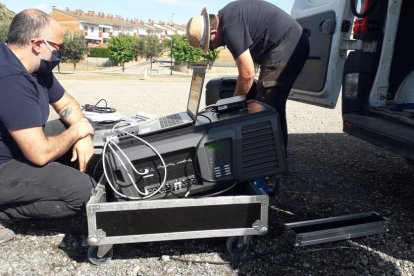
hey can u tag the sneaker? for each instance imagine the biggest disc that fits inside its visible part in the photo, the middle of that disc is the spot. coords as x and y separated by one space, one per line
6 234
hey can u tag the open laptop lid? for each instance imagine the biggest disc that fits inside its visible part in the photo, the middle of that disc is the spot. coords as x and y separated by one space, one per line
196 89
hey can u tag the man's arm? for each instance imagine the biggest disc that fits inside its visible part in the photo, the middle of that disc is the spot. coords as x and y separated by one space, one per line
41 149
70 112
245 79
68 109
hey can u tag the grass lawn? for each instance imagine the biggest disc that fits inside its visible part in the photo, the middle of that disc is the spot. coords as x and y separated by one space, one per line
81 66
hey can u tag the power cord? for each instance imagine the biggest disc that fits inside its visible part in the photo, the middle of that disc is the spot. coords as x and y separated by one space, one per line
145 194
197 171
98 109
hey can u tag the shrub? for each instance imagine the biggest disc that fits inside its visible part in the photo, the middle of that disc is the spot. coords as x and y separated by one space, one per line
99 52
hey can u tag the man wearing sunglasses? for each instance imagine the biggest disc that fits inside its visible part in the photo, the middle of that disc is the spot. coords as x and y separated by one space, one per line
32 183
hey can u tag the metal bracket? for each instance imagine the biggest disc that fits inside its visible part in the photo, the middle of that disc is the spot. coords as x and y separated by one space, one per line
100 234
103 249
93 209
260 228
298 241
357 45
95 239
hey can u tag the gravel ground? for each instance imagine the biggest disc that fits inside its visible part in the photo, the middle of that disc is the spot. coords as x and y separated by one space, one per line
330 174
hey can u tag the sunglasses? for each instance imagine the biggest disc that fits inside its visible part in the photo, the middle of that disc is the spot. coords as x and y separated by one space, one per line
58 47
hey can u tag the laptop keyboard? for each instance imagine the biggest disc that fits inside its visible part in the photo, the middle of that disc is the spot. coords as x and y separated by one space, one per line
170 120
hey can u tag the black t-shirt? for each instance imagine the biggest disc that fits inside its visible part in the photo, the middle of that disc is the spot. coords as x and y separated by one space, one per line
24 100
256 25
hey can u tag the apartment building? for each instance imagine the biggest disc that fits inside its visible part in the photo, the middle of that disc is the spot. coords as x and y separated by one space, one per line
99 27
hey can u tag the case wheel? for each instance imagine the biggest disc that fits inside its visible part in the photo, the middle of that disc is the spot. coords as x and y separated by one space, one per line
93 256
238 246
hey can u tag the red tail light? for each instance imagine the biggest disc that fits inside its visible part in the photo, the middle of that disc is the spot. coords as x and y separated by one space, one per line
361 24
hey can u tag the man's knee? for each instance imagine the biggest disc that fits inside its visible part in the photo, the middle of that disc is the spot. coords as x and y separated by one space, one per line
82 190
71 185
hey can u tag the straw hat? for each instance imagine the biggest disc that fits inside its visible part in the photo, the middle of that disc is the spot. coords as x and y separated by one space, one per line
198 30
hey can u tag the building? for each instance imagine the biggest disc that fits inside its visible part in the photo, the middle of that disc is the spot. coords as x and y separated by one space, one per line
99 27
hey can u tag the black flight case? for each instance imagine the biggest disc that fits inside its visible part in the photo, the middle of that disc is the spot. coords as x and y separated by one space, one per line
235 147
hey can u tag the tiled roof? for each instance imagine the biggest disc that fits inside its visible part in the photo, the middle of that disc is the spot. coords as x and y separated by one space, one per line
100 18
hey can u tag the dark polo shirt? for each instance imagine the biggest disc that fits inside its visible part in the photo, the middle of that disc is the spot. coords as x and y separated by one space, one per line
258 26
24 100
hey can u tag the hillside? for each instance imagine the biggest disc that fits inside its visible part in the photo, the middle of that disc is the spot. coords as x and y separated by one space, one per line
6 15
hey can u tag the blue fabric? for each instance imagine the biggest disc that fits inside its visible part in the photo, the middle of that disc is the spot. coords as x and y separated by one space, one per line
24 100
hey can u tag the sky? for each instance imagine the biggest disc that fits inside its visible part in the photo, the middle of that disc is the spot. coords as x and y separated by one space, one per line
159 10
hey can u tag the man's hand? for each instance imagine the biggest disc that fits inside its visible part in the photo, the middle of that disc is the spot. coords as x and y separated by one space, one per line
83 150
69 110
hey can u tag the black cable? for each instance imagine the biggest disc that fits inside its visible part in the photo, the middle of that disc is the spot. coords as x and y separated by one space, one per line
106 103
99 109
197 171
197 148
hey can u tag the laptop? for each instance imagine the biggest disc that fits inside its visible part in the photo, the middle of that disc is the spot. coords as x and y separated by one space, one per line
181 119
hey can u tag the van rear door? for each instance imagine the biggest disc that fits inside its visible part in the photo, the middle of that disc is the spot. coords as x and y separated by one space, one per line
328 24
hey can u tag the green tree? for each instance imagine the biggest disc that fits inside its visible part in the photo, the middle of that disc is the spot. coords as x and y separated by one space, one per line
120 49
4 29
138 47
183 52
152 47
211 56
75 48
6 17
165 44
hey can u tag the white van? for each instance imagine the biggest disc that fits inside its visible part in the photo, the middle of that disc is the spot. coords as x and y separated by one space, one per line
365 47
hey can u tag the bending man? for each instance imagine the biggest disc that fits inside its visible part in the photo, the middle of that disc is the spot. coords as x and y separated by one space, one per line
258 32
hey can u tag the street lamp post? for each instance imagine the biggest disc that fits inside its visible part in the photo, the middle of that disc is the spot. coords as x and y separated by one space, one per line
171 54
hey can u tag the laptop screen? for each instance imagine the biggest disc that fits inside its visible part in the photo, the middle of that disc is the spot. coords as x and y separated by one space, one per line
196 89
